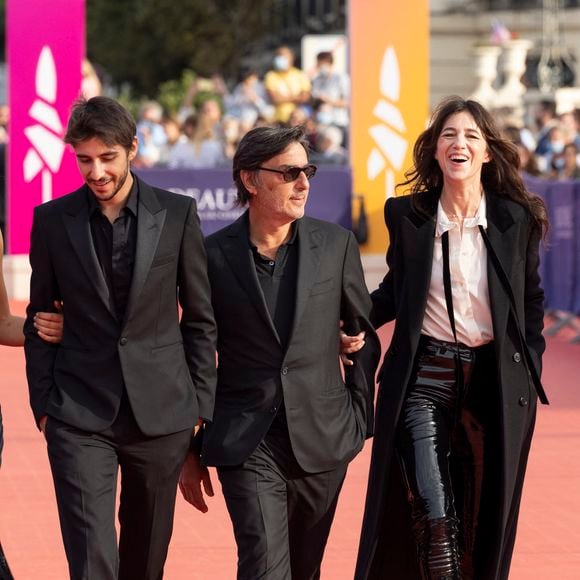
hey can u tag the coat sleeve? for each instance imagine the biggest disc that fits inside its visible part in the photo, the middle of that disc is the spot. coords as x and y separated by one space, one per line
40 355
198 326
534 301
355 312
383 298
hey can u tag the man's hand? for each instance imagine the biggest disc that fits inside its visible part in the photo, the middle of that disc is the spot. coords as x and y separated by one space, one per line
42 424
197 426
193 474
49 324
349 345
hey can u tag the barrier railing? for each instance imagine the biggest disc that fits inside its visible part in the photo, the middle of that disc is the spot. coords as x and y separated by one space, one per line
330 195
560 256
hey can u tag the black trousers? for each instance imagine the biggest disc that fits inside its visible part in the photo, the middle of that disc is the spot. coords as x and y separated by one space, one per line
446 439
84 469
281 514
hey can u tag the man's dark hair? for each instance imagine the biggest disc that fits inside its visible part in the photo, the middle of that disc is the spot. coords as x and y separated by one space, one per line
102 118
325 56
258 146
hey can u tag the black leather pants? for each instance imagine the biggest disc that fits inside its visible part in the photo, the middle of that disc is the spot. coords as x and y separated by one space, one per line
440 445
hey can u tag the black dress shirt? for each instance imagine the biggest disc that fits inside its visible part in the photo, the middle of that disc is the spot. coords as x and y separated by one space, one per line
278 282
115 244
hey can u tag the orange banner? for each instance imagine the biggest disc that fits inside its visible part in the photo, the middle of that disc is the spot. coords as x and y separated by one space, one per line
389 60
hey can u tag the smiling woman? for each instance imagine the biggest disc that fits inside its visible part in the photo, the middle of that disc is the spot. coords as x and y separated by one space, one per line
460 381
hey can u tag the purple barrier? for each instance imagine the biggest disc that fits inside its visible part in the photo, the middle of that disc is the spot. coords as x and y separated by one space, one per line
541 187
576 304
560 263
214 191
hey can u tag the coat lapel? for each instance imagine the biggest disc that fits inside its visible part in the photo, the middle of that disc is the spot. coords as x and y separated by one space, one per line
418 234
310 242
76 221
150 220
238 254
502 232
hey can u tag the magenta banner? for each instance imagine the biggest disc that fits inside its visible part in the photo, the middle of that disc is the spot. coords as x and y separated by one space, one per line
45 47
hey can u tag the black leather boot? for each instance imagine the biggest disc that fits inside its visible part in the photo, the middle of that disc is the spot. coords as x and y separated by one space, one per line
438 550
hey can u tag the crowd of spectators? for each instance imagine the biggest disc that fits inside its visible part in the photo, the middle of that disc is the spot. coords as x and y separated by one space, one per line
205 131
549 145
207 135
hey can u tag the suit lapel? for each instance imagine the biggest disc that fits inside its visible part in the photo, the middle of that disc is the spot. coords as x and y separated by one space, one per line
150 221
238 254
77 224
310 242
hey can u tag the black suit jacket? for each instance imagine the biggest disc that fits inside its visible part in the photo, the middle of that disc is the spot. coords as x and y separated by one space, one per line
387 548
328 417
166 365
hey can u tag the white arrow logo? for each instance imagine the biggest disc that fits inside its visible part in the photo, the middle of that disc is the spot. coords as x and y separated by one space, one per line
47 147
390 146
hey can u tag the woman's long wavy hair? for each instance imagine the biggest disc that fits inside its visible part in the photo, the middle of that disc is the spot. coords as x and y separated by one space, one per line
500 175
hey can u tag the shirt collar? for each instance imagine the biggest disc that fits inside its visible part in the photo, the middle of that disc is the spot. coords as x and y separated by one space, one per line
293 235
131 205
444 224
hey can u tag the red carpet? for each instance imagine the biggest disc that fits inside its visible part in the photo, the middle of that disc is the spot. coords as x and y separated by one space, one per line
547 548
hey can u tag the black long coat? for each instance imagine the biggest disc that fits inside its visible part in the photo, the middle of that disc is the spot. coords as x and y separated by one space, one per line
387 548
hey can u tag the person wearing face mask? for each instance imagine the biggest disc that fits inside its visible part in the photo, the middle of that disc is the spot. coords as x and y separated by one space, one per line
333 90
556 141
565 165
286 85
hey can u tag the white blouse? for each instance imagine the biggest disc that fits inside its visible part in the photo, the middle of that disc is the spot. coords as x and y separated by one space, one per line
469 287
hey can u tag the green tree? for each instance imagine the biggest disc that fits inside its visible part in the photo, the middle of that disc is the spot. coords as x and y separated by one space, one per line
147 42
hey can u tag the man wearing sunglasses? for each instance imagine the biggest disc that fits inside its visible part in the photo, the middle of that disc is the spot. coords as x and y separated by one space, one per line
286 423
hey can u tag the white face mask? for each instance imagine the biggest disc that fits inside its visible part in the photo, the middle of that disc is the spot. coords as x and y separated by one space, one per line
324 117
557 146
281 62
231 133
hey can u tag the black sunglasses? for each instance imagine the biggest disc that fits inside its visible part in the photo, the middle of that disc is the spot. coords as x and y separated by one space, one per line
293 173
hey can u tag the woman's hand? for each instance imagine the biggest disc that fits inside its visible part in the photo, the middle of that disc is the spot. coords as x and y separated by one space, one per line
350 345
49 325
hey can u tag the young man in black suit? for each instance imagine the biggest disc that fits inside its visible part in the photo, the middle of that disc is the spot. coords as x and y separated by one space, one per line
286 424
132 377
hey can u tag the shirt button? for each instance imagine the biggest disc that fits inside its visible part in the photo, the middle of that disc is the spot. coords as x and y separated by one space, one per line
123 341
517 357
271 263
523 402
273 410
285 370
